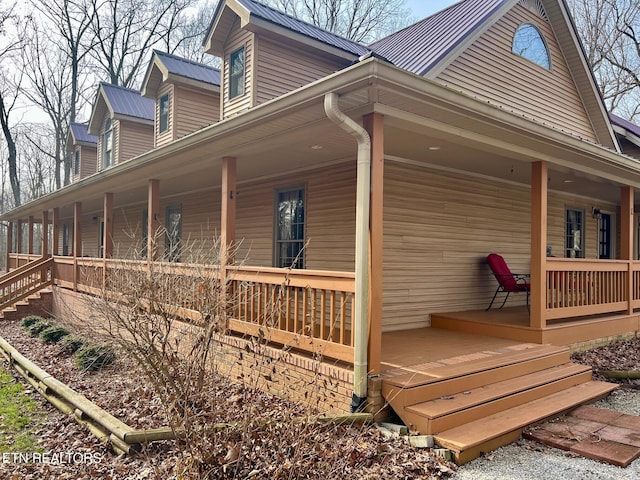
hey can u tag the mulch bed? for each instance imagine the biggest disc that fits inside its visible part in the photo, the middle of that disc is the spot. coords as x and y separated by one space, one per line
119 390
619 355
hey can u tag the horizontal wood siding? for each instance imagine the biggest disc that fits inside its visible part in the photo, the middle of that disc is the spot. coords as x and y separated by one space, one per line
329 215
169 134
100 150
490 71
127 231
281 69
90 231
238 38
88 161
438 229
194 110
133 139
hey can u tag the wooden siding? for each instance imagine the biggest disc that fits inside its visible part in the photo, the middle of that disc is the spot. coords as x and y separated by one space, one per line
281 68
100 150
238 38
88 161
169 134
90 233
490 71
329 216
133 139
194 110
438 229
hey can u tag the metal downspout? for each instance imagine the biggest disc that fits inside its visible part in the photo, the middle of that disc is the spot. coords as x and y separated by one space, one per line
363 190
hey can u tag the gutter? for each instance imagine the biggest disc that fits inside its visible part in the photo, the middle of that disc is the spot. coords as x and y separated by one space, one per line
363 190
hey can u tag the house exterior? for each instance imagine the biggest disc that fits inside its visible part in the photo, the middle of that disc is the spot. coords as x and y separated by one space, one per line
82 151
366 184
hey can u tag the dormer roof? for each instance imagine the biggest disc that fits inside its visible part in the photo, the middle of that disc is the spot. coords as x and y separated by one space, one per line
165 67
79 135
121 103
256 16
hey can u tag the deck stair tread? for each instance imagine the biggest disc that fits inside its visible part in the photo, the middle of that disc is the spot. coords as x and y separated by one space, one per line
440 373
501 425
459 401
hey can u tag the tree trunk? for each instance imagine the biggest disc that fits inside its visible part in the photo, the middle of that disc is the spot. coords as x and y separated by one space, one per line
13 155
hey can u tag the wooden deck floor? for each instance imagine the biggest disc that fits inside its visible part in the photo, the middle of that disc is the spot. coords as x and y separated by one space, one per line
420 347
513 323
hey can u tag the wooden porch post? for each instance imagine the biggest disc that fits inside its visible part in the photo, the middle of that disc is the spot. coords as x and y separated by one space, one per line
374 124
45 233
539 180
626 238
56 231
77 240
153 220
30 235
19 239
107 237
228 212
9 243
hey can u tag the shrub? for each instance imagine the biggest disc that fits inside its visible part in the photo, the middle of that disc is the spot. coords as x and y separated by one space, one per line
29 320
38 327
71 344
53 334
94 357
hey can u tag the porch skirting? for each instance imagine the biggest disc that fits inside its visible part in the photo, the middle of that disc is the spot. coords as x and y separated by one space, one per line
325 386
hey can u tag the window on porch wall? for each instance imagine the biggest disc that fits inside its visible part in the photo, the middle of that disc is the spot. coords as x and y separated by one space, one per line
174 234
574 233
289 228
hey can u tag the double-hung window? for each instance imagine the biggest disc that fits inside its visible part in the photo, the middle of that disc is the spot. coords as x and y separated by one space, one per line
174 233
289 228
164 113
574 233
107 145
76 163
236 73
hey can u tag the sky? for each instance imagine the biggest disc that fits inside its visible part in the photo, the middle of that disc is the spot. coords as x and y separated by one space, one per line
424 8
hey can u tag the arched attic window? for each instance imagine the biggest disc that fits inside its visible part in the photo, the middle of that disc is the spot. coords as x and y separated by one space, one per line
529 43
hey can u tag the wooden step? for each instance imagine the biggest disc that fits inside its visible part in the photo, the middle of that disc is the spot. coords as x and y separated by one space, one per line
468 441
452 410
409 389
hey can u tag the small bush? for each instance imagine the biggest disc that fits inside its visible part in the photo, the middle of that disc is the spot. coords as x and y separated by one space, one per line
53 334
27 321
94 357
71 344
38 327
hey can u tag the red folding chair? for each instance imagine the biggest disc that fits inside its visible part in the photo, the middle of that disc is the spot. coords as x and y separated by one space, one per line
507 282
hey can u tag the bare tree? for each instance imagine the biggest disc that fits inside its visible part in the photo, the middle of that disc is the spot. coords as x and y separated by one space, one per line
610 32
50 75
357 20
187 37
125 31
10 42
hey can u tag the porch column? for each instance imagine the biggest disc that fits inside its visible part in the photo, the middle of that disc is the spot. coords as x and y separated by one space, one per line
228 212
19 239
77 240
30 235
9 243
539 180
626 237
107 238
153 220
374 124
45 233
56 231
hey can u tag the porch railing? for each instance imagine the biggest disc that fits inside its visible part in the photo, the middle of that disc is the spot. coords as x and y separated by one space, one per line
577 287
305 309
25 280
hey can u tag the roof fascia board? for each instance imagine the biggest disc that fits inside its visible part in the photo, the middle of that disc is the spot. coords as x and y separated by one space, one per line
630 136
97 112
145 88
129 118
488 22
215 46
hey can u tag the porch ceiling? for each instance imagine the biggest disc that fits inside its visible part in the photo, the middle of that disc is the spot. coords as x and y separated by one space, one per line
292 133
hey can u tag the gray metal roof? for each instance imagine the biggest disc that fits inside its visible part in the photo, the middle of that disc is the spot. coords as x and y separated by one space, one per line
125 101
189 69
304 28
626 124
80 134
419 47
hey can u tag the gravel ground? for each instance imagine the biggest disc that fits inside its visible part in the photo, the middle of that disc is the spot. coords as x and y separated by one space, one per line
527 460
